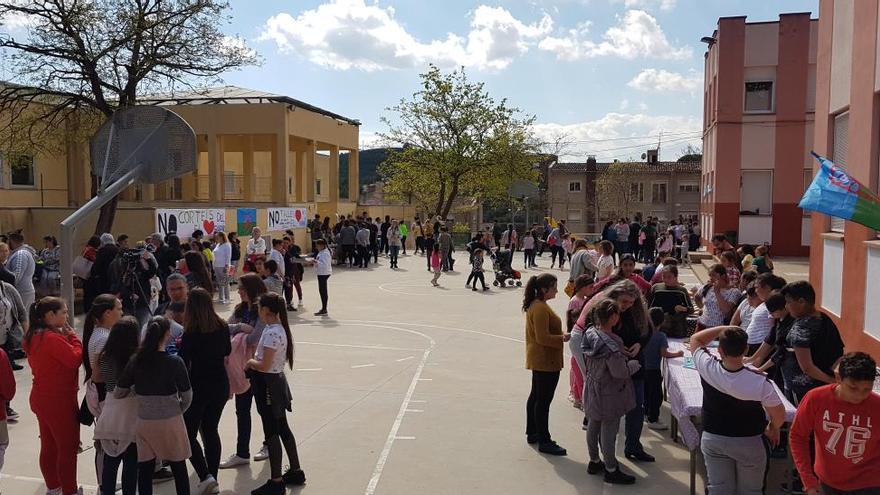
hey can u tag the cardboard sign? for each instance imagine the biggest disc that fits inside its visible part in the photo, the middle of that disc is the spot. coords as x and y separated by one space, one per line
185 222
287 218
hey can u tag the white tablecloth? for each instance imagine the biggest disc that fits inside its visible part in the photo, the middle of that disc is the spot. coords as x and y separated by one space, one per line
685 395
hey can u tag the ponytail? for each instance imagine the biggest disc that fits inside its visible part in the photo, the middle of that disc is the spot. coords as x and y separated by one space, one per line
101 304
536 287
37 315
275 304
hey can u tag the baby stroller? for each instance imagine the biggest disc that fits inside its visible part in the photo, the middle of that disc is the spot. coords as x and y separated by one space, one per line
505 275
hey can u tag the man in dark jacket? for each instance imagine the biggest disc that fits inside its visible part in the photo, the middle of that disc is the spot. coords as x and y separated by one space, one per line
99 277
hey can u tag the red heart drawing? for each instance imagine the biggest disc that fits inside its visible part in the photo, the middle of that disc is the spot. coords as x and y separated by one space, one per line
209 226
298 214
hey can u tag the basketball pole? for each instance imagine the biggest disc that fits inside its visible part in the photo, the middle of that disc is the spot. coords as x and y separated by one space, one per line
68 231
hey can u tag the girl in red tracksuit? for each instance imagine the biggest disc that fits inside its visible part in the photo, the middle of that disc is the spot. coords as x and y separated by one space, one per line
54 354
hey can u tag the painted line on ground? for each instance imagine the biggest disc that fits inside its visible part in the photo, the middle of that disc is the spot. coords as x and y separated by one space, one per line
377 347
404 438
415 410
363 365
426 379
395 426
438 327
405 359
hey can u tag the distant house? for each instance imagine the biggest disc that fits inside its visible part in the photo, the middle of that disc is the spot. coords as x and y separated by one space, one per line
589 193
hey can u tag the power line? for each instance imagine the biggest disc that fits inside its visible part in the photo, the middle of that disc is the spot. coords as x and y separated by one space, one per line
642 146
632 137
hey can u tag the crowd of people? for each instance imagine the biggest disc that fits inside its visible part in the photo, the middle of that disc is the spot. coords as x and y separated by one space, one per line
773 344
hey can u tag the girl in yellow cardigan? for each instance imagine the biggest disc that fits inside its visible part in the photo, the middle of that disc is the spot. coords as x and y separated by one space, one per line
544 344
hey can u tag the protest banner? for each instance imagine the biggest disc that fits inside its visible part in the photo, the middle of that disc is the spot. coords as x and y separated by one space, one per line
185 222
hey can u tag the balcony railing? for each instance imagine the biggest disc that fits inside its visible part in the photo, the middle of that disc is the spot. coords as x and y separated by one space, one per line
234 188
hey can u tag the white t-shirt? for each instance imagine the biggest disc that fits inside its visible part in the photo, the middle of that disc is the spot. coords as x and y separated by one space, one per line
273 338
279 258
712 315
745 313
258 247
744 384
223 255
760 324
325 263
606 267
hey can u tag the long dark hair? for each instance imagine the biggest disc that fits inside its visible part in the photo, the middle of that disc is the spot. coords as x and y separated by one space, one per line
101 304
274 303
149 349
536 287
199 315
122 343
37 315
254 288
195 262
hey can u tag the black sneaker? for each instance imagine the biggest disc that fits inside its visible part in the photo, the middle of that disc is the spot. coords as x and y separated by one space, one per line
291 477
290 307
552 448
162 475
585 424
16 366
17 354
321 313
618 477
11 415
270 488
640 456
595 467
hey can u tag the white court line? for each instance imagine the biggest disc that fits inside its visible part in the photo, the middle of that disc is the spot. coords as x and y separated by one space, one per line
310 369
358 346
405 359
415 410
418 401
464 330
395 427
404 438
32 479
426 379
363 365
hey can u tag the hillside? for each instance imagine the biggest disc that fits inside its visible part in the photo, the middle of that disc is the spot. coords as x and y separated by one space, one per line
369 164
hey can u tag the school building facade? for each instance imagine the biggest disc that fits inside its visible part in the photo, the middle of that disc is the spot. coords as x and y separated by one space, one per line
845 258
255 150
759 105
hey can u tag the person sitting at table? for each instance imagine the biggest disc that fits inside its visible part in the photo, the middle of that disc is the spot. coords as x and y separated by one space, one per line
837 418
735 399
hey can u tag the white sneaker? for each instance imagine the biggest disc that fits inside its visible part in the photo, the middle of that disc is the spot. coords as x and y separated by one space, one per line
657 425
263 454
208 486
234 461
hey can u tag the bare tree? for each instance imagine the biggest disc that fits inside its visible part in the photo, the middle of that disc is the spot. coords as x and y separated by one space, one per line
615 195
81 60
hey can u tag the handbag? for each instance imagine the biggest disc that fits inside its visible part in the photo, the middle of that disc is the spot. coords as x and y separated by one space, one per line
569 288
82 267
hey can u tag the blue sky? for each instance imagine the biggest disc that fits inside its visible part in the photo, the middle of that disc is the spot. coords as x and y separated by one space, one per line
595 70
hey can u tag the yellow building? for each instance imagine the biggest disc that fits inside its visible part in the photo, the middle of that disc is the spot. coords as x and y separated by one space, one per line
256 150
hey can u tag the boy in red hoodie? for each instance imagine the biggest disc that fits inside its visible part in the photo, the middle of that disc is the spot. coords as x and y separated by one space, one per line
844 418
7 392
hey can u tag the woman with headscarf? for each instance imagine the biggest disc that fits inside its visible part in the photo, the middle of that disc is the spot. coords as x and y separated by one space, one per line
634 328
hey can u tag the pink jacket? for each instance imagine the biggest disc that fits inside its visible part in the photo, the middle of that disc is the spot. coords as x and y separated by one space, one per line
235 363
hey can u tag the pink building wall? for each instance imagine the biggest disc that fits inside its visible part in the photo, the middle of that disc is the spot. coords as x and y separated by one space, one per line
776 141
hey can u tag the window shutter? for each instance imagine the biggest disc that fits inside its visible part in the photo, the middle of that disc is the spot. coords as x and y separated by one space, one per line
839 156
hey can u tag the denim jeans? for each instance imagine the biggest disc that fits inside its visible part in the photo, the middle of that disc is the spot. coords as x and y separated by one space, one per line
635 419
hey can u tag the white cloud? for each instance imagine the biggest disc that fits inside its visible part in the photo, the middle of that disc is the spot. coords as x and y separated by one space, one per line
625 135
663 81
648 4
637 34
349 34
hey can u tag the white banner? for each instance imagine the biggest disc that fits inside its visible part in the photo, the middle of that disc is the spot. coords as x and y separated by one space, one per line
286 218
185 222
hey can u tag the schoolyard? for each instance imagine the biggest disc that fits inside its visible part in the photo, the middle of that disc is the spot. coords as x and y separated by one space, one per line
405 389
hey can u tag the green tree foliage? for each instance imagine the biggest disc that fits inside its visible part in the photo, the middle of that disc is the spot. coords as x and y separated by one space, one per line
457 142
83 59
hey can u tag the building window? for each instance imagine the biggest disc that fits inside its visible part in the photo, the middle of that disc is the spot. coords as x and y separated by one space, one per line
575 216
289 185
759 96
176 186
839 156
574 186
637 192
689 187
756 193
658 193
21 170
318 187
